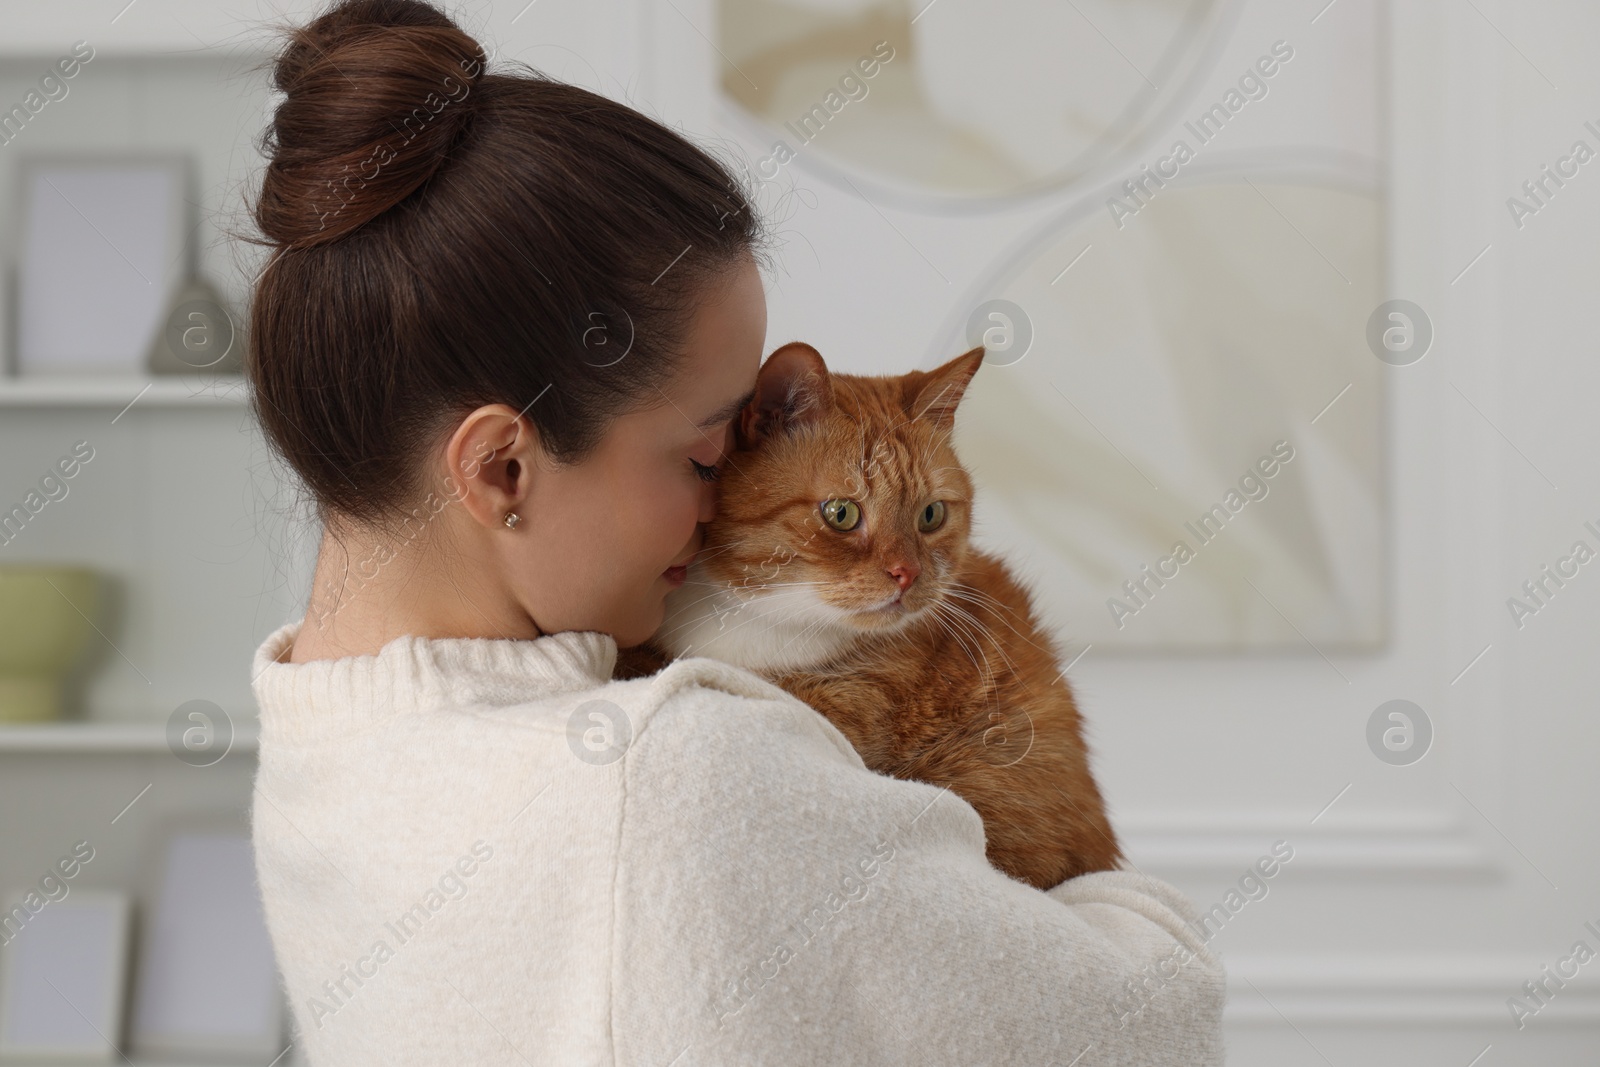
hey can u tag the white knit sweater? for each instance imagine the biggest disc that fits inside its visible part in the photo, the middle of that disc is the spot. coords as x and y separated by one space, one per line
481 851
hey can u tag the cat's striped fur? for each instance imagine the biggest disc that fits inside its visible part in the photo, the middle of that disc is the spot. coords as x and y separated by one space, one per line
953 683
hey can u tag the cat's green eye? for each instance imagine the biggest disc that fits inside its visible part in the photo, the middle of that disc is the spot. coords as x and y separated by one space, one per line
841 514
932 517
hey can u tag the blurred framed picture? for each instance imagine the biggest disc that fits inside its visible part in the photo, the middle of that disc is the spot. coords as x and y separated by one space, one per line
62 980
104 242
207 984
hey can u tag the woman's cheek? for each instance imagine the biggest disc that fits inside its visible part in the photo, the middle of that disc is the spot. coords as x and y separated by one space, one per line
687 513
674 513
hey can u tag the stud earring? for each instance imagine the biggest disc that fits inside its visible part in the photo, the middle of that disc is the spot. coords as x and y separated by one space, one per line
511 520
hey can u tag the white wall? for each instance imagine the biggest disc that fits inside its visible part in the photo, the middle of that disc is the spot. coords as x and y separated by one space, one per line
1425 897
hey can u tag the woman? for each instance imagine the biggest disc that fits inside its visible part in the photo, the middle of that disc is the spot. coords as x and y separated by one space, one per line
502 334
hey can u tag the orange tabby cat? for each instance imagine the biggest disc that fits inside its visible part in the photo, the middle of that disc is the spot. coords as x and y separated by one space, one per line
838 568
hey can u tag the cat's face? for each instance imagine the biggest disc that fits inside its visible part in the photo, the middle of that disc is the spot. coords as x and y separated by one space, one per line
843 511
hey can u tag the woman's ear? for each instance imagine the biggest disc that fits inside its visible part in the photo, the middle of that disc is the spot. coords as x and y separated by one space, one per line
792 390
489 462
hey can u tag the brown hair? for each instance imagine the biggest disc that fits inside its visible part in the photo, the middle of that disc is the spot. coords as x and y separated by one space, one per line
444 237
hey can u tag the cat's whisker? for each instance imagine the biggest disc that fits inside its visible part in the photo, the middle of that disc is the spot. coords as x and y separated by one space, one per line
939 439
967 625
963 591
745 602
970 616
984 632
807 632
936 613
995 702
948 627
703 555
978 638
978 597
717 589
967 591
738 588
990 597
761 616
747 594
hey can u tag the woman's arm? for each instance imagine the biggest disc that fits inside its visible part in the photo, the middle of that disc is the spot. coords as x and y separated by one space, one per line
779 903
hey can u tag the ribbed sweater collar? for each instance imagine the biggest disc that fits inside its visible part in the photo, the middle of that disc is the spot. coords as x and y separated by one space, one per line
412 673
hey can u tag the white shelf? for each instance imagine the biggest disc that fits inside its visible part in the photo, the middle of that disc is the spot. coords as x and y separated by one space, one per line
120 392
105 737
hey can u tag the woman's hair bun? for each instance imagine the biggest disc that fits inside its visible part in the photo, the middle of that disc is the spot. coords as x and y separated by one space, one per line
376 93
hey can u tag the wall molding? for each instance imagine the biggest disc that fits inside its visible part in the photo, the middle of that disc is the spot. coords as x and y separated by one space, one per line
1453 988
1228 843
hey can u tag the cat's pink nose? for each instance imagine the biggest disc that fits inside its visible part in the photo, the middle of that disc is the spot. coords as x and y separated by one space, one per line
904 574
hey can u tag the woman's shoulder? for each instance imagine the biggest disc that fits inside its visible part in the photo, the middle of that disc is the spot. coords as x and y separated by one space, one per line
696 696
749 770
751 836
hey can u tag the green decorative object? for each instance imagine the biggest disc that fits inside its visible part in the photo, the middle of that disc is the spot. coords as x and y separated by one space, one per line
45 614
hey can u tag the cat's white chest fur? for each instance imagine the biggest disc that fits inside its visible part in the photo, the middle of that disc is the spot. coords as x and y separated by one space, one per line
779 628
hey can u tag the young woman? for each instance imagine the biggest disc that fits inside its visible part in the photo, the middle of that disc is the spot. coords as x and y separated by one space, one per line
501 336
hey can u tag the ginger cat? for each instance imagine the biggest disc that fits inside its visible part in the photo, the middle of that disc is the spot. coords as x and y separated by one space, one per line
838 568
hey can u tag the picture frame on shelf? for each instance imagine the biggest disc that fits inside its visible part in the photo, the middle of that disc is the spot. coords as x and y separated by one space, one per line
206 984
105 241
63 979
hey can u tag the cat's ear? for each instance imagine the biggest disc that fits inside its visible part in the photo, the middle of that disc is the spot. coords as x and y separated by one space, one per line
792 389
935 394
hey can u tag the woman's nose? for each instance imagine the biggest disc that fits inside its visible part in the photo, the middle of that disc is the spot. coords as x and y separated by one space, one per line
708 502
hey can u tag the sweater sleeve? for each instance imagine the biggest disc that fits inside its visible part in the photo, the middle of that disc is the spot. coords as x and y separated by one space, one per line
777 902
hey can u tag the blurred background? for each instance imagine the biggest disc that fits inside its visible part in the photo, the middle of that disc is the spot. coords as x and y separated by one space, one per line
1287 416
